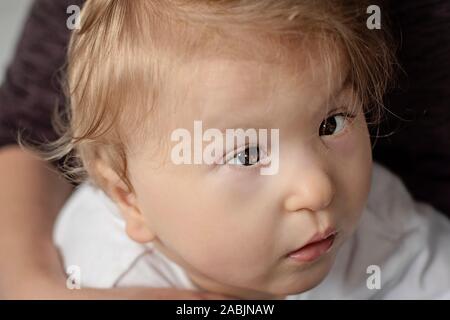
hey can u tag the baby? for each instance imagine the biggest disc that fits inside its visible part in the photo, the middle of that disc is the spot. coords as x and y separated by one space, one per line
299 85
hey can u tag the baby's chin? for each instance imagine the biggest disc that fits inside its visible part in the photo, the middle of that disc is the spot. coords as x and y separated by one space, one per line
293 279
291 284
307 277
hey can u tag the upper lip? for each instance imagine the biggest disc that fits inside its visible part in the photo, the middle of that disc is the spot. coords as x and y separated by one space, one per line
319 236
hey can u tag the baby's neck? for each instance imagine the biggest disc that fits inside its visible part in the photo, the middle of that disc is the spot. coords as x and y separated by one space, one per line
204 284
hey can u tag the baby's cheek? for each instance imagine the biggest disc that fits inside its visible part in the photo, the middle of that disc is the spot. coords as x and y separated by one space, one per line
218 246
355 171
212 227
355 141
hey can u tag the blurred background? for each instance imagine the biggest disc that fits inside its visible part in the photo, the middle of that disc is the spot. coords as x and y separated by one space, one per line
12 15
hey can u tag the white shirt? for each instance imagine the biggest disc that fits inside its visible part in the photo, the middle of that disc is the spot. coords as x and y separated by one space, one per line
408 242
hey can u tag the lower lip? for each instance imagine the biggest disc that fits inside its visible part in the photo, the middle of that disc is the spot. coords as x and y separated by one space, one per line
312 251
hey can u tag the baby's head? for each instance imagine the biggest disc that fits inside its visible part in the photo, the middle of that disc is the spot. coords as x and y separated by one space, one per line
309 70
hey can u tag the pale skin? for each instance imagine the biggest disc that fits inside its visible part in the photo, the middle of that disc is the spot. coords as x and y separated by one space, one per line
228 226
32 194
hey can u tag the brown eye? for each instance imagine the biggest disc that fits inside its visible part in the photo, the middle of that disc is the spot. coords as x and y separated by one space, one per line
333 124
248 157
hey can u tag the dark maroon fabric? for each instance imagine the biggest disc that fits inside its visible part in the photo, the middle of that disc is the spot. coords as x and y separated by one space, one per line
418 150
31 89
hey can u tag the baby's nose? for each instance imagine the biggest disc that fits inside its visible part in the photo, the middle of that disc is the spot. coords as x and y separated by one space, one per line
312 189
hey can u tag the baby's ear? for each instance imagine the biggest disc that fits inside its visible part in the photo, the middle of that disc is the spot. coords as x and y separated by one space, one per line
136 225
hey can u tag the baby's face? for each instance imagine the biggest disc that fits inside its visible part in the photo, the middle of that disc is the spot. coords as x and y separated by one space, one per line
230 227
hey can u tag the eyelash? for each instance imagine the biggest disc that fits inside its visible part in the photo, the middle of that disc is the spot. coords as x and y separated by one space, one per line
346 116
261 156
235 153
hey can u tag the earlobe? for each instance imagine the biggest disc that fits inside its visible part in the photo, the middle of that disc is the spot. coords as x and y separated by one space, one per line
139 231
136 226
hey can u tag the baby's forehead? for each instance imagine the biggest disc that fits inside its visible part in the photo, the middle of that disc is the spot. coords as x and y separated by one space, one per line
233 85
228 79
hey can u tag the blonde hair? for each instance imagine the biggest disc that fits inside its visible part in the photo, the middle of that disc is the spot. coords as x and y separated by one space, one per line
118 63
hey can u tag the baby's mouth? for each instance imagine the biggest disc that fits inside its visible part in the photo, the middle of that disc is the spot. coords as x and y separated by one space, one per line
313 249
